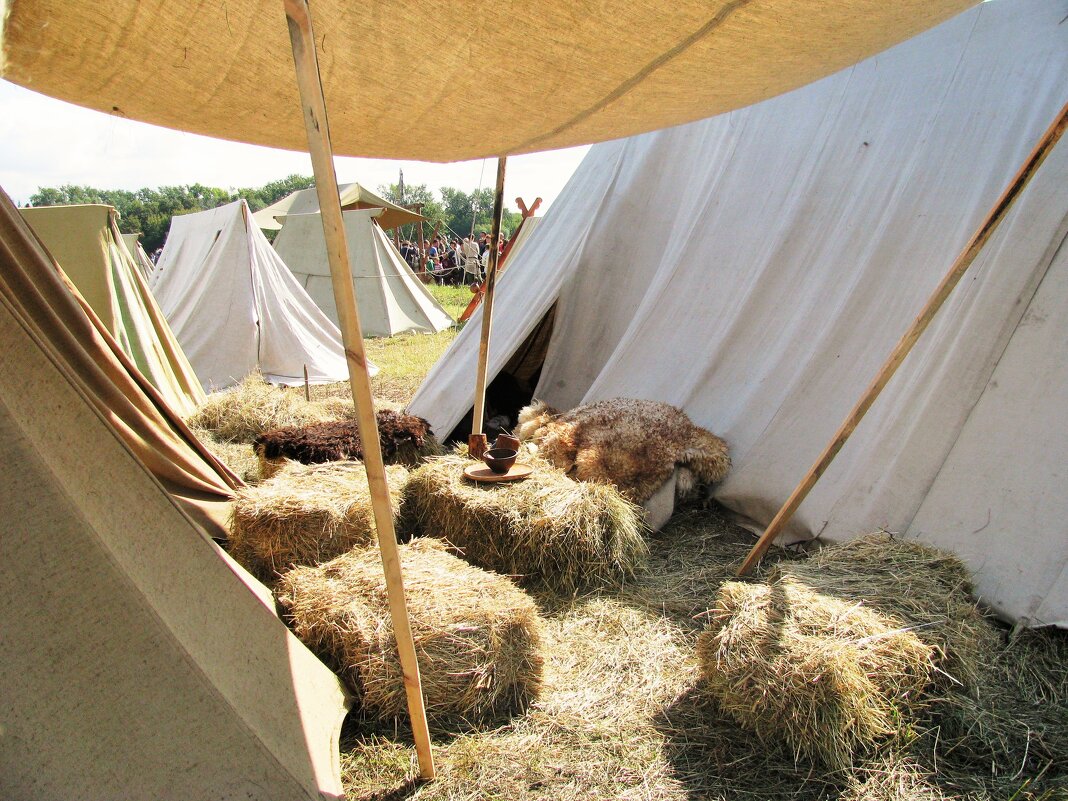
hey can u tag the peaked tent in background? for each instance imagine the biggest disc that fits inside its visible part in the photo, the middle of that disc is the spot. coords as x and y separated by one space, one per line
236 308
141 259
807 231
353 196
391 299
86 242
129 634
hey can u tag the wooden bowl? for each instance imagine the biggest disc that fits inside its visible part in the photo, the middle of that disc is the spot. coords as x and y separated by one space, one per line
499 460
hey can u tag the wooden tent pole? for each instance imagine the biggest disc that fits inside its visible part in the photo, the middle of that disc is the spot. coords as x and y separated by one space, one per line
487 307
990 223
314 104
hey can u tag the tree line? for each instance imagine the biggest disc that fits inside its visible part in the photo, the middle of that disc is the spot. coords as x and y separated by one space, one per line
149 211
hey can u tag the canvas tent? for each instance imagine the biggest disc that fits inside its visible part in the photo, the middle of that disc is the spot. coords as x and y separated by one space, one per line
236 308
86 241
755 269
138 660
353 196
391 299
141 259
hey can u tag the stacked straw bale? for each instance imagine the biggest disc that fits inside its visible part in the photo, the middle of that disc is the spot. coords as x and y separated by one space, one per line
306 515
241 413
869 640
477 635
547 528
832 677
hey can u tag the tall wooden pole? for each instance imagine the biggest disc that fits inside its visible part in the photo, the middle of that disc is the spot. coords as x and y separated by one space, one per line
487 307
919 325
311 92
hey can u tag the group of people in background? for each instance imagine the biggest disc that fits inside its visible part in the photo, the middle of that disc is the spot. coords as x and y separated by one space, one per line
455 262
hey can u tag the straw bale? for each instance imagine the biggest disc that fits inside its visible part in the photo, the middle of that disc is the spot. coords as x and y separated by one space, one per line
306 515
404 439
477 635
238 456
547 528
832 677
634 444
241 413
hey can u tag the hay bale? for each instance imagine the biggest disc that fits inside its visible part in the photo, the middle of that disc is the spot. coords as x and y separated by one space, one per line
238 456
404 438
562 533
832 677
241 413
306 515
477 635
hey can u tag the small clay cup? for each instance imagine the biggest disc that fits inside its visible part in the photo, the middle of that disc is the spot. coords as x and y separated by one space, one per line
507 442
476 445
500 460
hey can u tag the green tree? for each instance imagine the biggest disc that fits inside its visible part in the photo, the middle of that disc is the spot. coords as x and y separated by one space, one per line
417 194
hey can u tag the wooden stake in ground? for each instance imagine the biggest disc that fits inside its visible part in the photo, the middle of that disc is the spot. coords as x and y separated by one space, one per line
307 385
487 311
919 325
314 105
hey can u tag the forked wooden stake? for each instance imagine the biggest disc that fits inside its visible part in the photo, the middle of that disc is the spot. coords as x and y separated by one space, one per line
919 325
314 104
487 307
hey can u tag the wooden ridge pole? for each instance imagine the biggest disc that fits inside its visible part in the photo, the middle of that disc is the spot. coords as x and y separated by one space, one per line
314 104
487 308
990 223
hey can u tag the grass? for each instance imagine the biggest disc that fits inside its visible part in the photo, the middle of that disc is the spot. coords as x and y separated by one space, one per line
404 361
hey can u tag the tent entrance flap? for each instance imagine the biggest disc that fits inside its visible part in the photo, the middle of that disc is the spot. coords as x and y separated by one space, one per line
513 387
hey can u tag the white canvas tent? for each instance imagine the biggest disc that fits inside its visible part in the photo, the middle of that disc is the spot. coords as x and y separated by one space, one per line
755 269
353 196
85 240
236 308
391 299
138 660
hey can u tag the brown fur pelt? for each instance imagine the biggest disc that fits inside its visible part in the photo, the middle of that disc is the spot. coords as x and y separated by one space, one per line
634 444
405 439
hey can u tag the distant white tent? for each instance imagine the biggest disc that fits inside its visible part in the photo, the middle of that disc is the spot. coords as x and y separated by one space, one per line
86 242
141 259
755 269
353 196
391 299
236 308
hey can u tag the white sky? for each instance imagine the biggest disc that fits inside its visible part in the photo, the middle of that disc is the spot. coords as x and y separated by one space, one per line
46 142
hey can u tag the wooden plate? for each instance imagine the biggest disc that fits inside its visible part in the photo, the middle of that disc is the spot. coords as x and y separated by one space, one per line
479 472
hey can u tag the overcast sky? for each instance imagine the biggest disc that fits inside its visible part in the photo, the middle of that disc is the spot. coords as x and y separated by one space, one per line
46 142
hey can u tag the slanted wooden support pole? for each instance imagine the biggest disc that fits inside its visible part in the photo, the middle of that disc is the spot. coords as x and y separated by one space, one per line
487 308
919 325
314 104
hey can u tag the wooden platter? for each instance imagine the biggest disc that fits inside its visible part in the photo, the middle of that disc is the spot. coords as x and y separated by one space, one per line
479 472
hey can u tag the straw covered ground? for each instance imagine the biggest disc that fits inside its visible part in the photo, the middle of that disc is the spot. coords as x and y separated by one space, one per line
477 635
546 529
306 515
624 711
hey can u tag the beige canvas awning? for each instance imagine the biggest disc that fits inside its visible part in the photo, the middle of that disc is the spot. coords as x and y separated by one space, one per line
507 77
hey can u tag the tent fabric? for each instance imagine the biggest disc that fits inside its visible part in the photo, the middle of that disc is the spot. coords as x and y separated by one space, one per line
757 268
569 73
136 659
141 260
522 236
353 196
389 297
85 240
34 286
236 308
